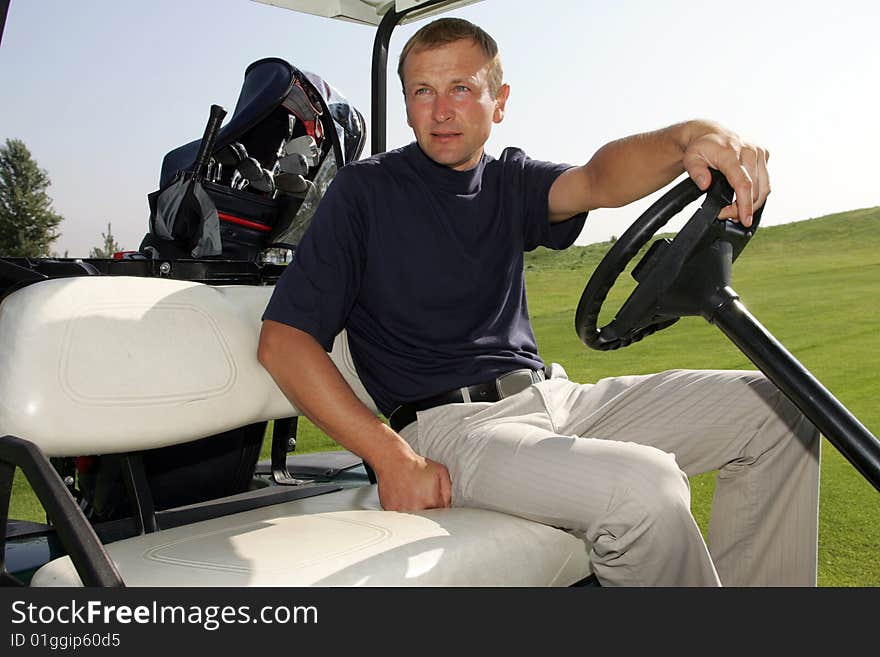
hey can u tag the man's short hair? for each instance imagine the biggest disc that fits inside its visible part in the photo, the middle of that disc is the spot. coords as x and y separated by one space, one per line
444 31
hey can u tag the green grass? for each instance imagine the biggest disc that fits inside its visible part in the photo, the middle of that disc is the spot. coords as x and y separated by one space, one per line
810 284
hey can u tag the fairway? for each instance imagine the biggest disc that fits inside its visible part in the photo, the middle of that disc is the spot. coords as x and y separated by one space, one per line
810 284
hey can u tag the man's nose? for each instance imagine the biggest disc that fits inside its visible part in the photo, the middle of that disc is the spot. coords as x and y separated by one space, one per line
442 109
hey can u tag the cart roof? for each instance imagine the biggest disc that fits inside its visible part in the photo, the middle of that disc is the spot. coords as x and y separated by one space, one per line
368 12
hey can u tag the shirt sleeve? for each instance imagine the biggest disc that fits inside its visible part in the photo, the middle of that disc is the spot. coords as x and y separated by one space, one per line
537 178
317 290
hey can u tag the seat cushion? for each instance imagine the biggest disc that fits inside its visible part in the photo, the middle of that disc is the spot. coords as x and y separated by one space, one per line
345 539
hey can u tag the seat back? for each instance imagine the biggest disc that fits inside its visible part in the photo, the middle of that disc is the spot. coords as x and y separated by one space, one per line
114 364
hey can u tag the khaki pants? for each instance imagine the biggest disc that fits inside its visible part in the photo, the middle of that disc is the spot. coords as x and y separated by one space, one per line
610 460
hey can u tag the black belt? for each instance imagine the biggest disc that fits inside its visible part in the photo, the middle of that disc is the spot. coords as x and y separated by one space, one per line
491 391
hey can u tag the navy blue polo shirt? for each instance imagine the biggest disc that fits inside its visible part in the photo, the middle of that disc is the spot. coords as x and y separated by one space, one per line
423 265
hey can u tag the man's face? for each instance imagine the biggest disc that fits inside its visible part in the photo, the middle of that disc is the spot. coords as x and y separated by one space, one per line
448 103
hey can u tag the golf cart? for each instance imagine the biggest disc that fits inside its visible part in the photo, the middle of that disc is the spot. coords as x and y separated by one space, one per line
177 440
302 521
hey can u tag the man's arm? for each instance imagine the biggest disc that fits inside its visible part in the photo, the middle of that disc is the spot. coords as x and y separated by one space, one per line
311 381
628 169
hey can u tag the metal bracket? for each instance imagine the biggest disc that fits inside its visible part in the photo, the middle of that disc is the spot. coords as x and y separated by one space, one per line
283 442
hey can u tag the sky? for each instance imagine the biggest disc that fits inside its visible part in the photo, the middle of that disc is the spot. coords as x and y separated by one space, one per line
100 90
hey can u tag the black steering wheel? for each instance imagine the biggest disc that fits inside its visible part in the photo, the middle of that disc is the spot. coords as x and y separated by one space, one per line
676 277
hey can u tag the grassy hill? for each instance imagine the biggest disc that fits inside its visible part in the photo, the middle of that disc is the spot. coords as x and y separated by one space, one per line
811 284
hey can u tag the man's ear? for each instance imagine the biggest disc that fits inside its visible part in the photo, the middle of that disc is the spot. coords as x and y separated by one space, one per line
500 101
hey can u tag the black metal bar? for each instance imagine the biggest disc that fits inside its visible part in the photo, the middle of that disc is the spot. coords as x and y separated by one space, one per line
89 557
4 10
834 421
379 80
141 497
7 473
249 501
16 273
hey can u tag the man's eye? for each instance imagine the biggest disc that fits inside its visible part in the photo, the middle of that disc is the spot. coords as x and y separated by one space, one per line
421 91
460 89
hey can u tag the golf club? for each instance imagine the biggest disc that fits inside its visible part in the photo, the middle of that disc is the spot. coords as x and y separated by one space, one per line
291 184
293 163
250 173
304 145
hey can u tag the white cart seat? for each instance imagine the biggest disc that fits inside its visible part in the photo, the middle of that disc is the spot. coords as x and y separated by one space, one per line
110 364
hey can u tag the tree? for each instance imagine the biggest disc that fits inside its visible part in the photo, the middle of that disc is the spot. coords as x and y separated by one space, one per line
27 221
110 247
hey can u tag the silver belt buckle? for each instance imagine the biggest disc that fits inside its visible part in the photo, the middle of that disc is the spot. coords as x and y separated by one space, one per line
516 381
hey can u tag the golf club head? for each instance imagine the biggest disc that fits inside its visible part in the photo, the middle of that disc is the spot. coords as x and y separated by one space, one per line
239 151
306 146
291 124
215 171
291 184
256 176
294 163
250 168
267 183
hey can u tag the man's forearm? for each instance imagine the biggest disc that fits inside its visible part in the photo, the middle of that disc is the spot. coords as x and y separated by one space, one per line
628 169
310 379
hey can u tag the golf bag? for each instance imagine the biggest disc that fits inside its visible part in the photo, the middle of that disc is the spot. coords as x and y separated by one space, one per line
268 168
293 131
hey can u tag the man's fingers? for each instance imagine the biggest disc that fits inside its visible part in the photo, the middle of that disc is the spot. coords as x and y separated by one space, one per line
763 178
728 212
742 184
427 486
761 189
749 157
443 490
698 170
445 487
739 178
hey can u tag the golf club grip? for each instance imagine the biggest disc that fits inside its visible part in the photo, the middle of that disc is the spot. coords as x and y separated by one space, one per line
207 143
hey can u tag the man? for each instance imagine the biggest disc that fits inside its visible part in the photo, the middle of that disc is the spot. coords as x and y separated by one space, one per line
418 253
